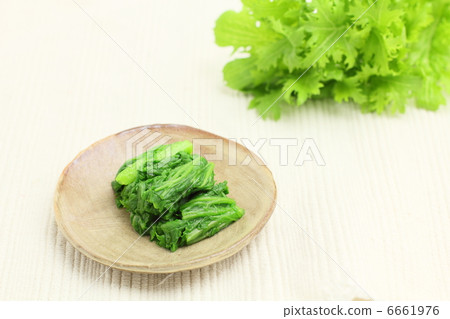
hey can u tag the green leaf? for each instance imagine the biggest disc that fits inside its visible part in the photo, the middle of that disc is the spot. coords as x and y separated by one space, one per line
267 57
298 90
430 95
238 73
390 93
266 8
325 28
348 89
240 30
378 54
332 71
268 105
177 201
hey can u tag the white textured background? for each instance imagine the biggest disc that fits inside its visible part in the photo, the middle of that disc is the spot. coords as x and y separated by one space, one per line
377 214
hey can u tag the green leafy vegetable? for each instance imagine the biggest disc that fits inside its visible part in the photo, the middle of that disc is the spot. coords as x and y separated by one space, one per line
172 196
295 50
178 183
129 170
203 216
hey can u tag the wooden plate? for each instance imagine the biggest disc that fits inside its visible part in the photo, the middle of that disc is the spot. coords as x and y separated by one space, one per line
86 213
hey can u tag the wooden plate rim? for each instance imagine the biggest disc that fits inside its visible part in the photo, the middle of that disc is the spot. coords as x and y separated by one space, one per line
193 264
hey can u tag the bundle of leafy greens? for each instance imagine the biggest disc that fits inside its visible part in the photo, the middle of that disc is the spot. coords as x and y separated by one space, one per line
378 54
172 196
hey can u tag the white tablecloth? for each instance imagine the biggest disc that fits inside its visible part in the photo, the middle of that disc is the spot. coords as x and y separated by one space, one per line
372 223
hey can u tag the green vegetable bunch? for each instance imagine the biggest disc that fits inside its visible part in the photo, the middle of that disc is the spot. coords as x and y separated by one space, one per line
172 196
378 55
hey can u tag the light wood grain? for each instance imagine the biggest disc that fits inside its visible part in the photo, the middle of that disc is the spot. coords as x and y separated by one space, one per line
85 209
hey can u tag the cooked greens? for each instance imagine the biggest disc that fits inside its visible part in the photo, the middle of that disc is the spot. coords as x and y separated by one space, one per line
172 196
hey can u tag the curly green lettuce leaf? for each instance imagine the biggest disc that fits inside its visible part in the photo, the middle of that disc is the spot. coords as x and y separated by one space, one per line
379 55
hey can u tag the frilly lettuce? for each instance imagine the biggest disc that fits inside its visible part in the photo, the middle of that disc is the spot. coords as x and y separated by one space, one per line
396 51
